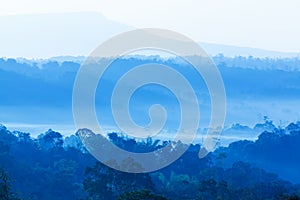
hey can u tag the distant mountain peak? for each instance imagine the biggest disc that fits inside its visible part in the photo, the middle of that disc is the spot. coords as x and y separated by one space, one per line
55 34
234 51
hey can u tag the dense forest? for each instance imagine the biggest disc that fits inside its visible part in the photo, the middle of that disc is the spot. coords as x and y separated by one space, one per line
258 163
52 166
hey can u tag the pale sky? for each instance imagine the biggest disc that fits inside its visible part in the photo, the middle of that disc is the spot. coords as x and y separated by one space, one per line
266 24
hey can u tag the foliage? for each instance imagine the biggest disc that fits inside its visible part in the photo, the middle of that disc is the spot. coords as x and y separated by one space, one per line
102 182
141 195
45 168
5 188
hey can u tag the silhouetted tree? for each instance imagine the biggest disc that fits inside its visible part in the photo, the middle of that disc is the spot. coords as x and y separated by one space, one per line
141 195
102 182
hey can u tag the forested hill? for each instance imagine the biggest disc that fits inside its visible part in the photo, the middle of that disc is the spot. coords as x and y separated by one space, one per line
51 166
40 92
